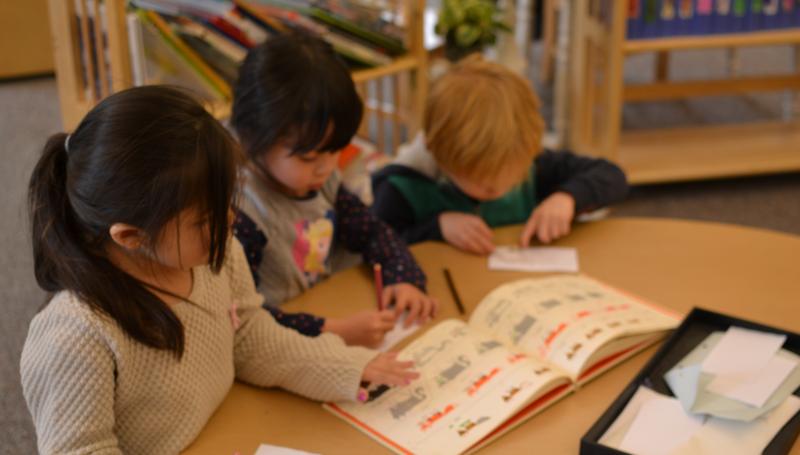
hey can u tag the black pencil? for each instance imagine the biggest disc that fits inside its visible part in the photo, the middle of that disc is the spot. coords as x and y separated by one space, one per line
453 291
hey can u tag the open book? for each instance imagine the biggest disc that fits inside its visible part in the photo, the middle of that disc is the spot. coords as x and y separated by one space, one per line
527 344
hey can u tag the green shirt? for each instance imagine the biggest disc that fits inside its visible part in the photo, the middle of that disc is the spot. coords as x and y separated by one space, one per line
428 198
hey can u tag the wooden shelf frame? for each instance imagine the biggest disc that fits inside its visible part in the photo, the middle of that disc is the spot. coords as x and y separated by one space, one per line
598 93
79 89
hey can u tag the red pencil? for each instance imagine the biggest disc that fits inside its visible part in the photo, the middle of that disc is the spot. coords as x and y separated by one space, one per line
378 284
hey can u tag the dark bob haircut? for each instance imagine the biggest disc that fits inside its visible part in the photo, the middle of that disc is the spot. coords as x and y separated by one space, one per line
294 87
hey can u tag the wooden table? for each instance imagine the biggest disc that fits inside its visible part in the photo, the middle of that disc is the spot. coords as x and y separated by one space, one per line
744 272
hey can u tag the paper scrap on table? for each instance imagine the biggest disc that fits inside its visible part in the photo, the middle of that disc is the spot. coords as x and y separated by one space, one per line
754 388
713 437
267 449
614 434
732 437
538 259
690 385
660 427
398 333
742 350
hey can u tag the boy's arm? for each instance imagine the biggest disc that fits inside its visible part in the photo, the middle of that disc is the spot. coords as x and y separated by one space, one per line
254 242
392 207
592 182
362 231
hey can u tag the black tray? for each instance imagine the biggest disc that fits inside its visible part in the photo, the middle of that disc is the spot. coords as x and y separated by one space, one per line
694 329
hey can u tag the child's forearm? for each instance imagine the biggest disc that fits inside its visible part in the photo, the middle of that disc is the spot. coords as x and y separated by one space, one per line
305 323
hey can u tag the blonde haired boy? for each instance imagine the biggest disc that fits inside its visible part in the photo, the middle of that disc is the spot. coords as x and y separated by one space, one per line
479 164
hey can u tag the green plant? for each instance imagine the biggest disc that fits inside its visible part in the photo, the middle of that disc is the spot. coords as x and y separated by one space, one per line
469 23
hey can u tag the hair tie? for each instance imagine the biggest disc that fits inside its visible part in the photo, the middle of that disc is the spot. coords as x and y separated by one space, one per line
66 143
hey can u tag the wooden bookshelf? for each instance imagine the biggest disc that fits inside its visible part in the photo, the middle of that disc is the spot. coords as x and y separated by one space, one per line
754 38
599 91
715 151
109 68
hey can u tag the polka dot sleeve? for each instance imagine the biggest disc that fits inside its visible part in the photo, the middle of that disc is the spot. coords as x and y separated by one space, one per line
361 231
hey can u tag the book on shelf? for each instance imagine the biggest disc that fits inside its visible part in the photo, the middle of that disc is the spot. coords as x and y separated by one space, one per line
212 37
527 344
666 18
186 53
154 61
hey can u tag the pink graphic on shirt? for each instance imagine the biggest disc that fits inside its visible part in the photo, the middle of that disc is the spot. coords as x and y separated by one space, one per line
312 246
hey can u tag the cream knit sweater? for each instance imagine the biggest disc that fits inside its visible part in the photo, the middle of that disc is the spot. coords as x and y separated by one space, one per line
92 389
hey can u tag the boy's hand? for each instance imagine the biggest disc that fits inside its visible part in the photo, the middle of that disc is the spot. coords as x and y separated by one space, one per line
550 220
467 232
365 328
406 296
386 369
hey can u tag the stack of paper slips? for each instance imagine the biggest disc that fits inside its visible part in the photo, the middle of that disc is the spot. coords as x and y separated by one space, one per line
738 375
656 424
734 393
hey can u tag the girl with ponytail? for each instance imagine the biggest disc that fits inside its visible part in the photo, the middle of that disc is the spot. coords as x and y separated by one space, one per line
153 310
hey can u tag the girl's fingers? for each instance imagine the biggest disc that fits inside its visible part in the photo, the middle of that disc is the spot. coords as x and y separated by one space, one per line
386 297
387 316
415 308
435 309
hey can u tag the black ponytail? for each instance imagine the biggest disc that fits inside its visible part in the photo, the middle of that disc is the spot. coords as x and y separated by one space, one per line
139 157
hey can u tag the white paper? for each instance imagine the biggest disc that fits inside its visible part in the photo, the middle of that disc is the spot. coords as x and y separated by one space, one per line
733 438
539 259
742 350
267 449
659 428
398 333
754 387
690 385
613 436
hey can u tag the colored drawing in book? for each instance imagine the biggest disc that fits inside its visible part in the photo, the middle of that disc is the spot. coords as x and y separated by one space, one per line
513 391
488 346
614 324
522 328
481 382
514 358
541 370
593 332
573 351
554 333
435 417
401 408
550 303
494 315
451 372
467 425
524 291
583 314
427 354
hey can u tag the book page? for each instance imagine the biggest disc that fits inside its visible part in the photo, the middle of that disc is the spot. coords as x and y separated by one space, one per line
468 386
564 319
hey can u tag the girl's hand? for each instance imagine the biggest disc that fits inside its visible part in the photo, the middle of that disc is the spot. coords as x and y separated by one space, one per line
386 369
407 297
466 232
365 328
550 220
